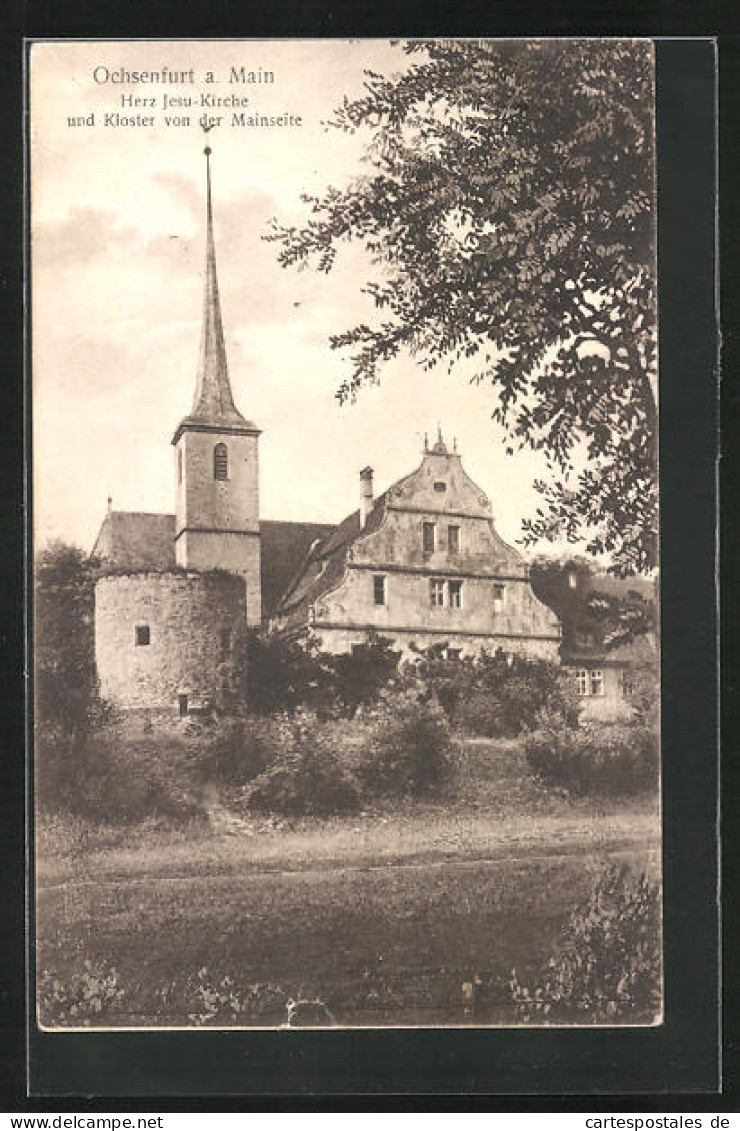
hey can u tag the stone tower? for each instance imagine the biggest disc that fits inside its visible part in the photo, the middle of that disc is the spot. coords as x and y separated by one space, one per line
216 458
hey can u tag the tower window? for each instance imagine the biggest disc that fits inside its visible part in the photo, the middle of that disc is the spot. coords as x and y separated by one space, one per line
182 705
225 642
428 537
499 596
220 462
379 589
453 539
142 634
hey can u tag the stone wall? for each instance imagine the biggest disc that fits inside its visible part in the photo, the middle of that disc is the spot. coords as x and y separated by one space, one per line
196 626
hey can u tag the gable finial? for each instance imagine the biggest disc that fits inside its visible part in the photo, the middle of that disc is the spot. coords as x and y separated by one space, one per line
426 442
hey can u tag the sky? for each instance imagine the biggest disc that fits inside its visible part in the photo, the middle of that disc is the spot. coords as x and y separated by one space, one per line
117 258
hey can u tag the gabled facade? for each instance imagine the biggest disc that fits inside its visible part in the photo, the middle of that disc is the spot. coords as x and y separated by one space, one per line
421 564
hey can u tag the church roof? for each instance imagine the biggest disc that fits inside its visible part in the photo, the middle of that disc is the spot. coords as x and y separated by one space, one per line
323 567
285 546
135 540
139 541
214 401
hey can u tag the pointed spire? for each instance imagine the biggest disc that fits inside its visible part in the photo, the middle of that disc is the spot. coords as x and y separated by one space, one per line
214 401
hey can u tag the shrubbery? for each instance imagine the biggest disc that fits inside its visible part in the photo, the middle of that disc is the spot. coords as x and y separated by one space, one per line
121 777
90 996
611 758
308 778
609 966
495 696
408 750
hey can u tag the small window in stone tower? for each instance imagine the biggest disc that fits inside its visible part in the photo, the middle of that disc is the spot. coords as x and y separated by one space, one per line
220 462
182 705
225 641
142 634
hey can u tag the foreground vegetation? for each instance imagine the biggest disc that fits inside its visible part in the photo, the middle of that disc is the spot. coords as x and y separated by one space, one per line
410 912
373 843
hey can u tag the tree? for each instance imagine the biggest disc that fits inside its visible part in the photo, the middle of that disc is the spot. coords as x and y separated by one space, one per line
64 648
510 222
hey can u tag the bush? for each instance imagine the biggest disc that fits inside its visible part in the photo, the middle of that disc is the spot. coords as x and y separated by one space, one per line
214 1001
495 696
232 752
120 777
609 966
409 749
610 758
308 778
90 996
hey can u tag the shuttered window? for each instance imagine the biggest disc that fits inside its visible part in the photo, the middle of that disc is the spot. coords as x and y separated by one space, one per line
220 462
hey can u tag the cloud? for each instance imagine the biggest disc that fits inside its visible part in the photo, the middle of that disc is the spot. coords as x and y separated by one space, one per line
77 239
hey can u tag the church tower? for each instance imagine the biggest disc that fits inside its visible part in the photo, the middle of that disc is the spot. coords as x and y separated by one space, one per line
216 458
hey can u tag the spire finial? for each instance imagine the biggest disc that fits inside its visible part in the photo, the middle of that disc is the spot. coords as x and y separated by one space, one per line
440 448
110 504
426 441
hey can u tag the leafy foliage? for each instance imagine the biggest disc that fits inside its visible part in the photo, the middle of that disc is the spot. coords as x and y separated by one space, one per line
360 675
308 778
493 695
608 968
121 776
610 758
284 674
64 643
509 218
90 996
410 746
226 1001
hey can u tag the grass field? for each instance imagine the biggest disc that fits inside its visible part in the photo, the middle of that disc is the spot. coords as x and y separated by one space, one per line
382 916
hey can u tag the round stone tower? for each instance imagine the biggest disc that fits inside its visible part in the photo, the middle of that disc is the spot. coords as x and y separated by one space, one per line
170 641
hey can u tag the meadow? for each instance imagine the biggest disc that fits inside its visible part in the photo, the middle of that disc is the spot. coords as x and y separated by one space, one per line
387 916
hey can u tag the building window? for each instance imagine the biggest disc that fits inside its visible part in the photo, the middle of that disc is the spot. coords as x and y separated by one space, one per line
436 593
182 705
440 487
142 634
499 595
224 637
428 535
220 462
179 465
572 579
453 539
597 682
379 589
628 687
582 681
455 593
454 653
